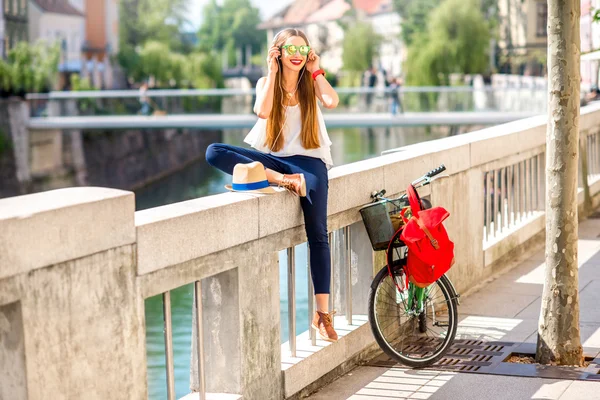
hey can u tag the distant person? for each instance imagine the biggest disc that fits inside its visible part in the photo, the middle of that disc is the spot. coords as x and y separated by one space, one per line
386 82
144 100
594 94
333 80
290 140
371 82
395 86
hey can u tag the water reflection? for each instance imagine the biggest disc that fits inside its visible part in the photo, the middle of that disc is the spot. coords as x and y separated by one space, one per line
349 145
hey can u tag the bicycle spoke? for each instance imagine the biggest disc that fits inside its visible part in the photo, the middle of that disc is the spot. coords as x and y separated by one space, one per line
390 324
394 295
388 303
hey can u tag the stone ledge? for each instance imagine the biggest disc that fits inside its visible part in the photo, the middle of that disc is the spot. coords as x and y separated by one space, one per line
314 362
180 232
213 396
515 237
47 228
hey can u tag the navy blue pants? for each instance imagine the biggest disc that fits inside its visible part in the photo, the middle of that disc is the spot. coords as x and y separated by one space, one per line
314 206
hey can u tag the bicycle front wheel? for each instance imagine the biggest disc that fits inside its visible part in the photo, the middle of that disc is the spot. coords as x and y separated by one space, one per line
412 332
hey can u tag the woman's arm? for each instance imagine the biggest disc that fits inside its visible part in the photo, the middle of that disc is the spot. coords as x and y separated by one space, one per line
264 96
323 89
326 93
265 86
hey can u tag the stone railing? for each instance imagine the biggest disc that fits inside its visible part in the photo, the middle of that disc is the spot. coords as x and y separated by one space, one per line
76 265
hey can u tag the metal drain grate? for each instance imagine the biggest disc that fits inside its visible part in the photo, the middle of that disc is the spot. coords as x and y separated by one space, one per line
464 355
473 355
594 215
477 356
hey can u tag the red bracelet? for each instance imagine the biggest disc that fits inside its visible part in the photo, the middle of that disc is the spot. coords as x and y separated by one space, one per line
317 73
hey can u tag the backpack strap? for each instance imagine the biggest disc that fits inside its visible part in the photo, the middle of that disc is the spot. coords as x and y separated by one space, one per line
432 240
413 200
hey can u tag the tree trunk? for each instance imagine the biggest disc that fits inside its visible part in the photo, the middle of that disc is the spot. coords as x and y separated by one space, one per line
558 330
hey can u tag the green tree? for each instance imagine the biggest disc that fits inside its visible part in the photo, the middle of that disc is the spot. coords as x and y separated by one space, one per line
200 70
79 84
29 68
456 41
414 16
156 61
361 44
204 71
149 20
231 26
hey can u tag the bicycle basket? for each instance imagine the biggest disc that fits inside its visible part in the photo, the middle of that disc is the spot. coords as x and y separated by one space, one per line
382 220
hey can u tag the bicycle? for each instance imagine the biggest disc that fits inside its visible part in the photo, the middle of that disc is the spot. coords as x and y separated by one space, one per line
431 314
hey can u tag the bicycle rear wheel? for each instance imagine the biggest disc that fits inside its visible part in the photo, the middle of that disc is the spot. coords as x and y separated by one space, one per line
417 338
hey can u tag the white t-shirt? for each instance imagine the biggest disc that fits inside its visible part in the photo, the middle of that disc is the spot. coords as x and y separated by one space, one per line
292 137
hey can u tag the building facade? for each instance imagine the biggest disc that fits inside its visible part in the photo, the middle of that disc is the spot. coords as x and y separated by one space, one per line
319 20
63 22
522 43
13 24
1 29
590 45
101 42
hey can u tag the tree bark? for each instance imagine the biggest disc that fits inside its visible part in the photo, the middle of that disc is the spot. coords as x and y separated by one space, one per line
558 331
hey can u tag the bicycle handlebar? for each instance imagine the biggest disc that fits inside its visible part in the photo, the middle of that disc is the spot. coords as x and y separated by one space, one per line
436 171
424 180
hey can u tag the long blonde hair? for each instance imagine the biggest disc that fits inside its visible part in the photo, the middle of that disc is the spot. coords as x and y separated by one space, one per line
306 98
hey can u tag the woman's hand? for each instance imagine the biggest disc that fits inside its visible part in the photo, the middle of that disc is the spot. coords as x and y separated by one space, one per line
312 62
272 60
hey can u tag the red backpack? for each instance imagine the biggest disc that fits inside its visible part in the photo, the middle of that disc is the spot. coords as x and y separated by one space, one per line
430 251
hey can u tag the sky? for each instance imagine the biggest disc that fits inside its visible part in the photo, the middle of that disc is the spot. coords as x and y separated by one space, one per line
267 8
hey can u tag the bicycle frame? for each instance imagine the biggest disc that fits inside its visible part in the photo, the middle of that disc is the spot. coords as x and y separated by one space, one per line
416 295
414 303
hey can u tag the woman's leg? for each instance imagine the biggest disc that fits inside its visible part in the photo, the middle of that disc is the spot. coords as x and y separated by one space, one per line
315 220
225 157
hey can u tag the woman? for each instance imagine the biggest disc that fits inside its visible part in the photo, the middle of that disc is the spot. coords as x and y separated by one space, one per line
291 141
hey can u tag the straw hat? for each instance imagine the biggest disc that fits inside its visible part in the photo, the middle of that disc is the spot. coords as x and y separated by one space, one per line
250 178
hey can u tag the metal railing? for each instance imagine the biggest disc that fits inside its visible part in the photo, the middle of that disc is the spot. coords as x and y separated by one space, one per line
223 92
291 292
593 155
512 195
235 101
168 334
166 298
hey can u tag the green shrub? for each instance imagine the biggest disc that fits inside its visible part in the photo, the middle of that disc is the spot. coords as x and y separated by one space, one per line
29 68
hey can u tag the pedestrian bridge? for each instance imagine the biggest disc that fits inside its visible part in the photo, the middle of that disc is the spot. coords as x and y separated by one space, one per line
225 121
238 101
76 265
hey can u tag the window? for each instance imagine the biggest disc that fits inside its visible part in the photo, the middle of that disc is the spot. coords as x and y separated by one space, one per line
541 18
24 7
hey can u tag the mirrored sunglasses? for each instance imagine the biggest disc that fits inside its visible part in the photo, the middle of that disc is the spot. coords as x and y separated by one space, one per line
292 49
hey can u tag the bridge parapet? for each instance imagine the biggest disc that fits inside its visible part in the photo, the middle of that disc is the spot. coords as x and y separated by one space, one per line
76 265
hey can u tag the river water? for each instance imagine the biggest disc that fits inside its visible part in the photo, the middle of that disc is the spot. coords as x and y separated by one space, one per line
199 179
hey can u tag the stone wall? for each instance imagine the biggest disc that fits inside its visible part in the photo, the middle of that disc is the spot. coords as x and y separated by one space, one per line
76 265
9 185
71 317
126 159
133 158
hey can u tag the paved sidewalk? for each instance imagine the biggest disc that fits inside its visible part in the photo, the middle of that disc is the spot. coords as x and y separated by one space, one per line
505 309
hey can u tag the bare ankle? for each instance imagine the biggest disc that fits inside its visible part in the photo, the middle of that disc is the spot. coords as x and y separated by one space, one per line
273 176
